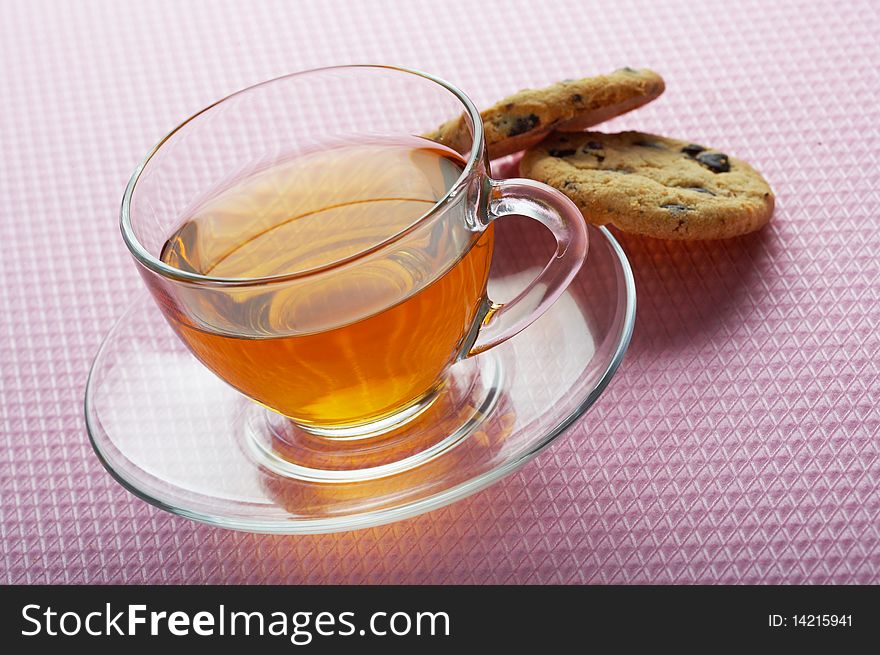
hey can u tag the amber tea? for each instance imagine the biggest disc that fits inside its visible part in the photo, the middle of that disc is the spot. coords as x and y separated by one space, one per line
368 331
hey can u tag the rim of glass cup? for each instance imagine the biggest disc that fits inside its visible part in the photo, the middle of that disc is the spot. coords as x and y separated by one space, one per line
142 255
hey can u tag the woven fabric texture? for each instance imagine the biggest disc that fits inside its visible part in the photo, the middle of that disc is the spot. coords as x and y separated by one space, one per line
739 442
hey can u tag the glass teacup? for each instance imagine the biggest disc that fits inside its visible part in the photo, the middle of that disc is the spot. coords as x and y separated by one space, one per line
316 253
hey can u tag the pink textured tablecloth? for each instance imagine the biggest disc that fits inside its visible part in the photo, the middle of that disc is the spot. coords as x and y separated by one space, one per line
740 441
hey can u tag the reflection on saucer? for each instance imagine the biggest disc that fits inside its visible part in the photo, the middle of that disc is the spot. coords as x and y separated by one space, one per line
465 400
321 498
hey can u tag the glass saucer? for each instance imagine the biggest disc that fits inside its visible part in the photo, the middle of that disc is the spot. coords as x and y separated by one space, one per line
182 439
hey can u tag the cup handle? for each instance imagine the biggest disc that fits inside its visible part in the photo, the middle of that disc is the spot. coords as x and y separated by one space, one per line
561 216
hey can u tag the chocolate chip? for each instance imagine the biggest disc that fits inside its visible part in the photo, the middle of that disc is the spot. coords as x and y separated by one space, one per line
627 69
676 207
523 124
648 144
508 106
589 149
568 152
577 97
698 189
692 149
716 162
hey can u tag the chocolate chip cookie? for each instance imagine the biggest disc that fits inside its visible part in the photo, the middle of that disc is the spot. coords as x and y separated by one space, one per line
526 117
653 185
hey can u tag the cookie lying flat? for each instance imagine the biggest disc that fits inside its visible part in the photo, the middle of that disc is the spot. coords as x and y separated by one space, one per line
653 185
523 119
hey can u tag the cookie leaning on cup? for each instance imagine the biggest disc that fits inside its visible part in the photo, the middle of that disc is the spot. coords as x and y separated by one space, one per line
653 185
526 117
